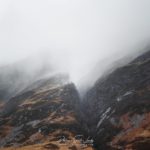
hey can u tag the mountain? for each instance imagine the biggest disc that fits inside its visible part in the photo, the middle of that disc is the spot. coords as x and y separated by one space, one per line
15 77
42 116
119 106
48 113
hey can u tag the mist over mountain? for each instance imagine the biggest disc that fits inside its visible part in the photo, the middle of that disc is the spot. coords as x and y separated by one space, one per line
18 76
45 109
75 35
74 74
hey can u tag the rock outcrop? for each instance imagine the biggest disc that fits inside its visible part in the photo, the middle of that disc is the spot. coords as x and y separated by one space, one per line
119 106
48 113
43 115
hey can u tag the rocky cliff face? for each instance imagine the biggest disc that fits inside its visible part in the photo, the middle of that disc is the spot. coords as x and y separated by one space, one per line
119 106
48 113
41 116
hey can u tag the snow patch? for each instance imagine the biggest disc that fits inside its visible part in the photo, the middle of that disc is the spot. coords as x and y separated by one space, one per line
104 115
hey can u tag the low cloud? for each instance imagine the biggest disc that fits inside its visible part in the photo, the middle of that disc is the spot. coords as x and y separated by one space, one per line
79 37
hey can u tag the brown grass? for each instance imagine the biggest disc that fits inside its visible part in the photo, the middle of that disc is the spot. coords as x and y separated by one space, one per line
134 135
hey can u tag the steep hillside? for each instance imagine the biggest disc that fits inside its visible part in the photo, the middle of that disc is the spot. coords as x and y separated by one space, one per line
119 106
43 116
47 113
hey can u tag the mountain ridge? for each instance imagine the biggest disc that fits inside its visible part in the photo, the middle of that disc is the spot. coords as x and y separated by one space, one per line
116 102
113 114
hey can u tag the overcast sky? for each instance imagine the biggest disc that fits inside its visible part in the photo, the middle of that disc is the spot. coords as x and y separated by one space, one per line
75 33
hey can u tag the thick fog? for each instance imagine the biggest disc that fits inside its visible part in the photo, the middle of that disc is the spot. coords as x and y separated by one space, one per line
74 36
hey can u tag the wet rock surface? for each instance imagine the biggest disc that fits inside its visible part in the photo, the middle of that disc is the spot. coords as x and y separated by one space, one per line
119 106
113 115
40 114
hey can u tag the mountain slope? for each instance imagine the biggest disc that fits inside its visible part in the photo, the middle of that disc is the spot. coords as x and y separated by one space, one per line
119 104
40 115
48 113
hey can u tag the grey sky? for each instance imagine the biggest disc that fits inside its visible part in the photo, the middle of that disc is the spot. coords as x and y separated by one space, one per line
76 34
